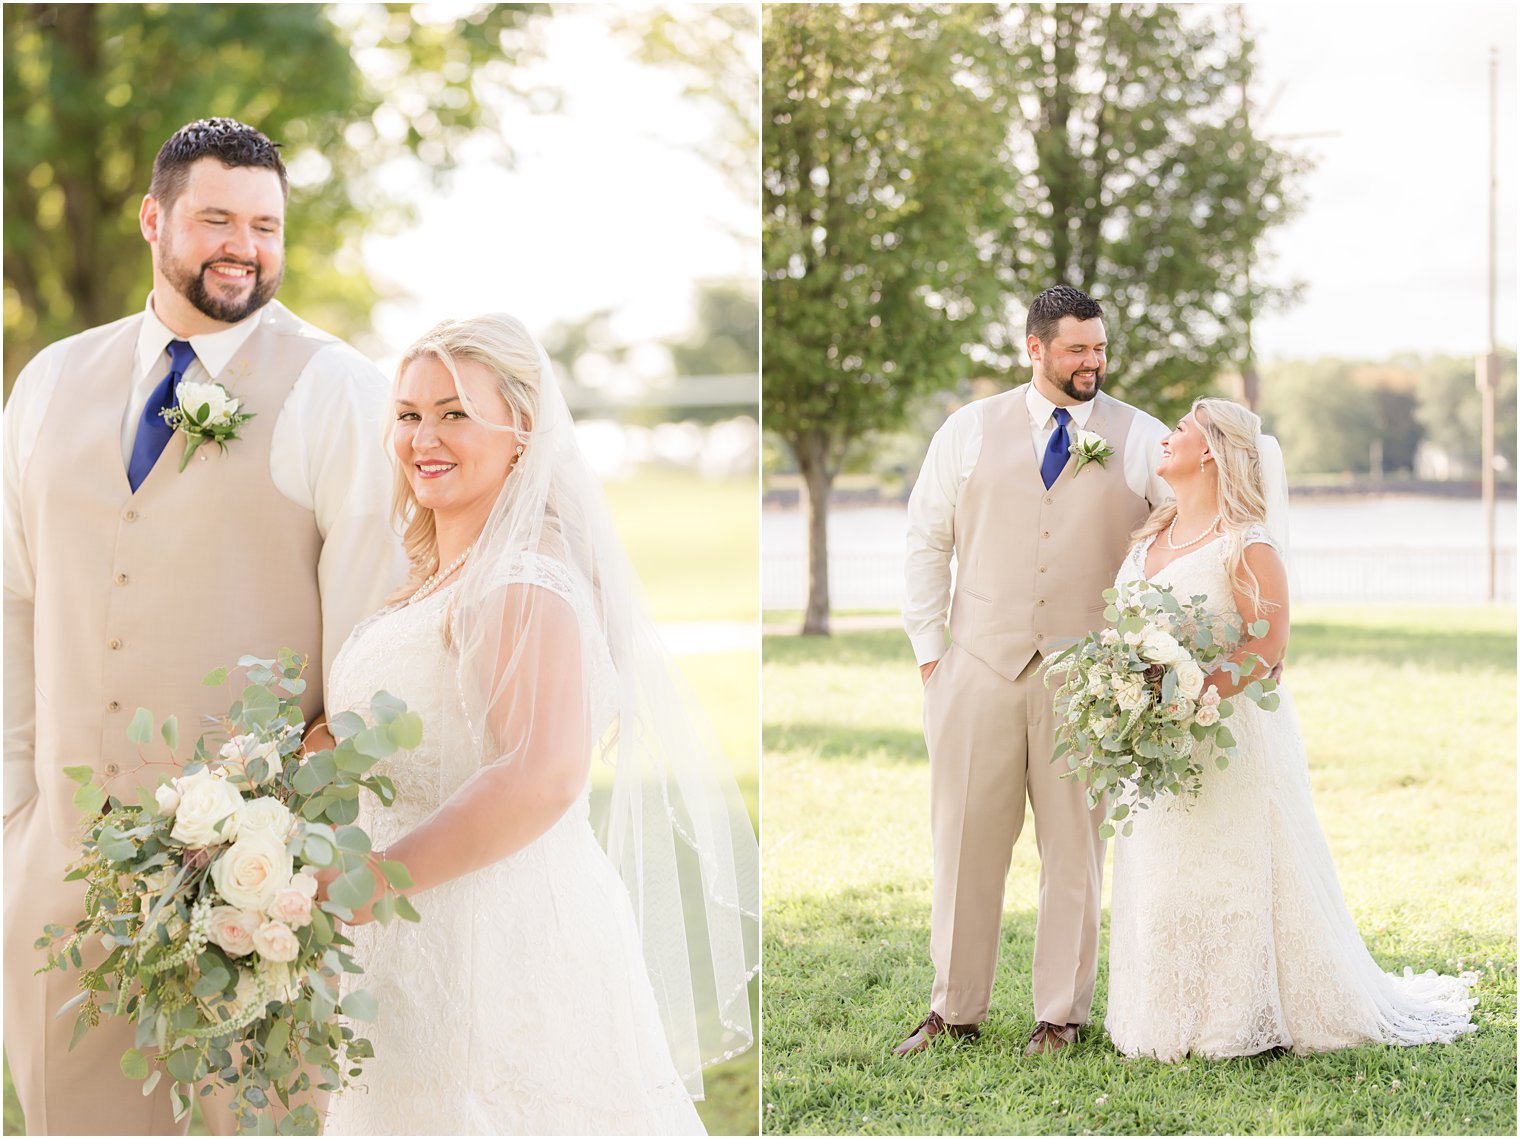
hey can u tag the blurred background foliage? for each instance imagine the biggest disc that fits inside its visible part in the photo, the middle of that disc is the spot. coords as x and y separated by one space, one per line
93 90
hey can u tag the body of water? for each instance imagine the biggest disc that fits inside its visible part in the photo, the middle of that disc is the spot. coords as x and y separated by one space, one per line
1411 549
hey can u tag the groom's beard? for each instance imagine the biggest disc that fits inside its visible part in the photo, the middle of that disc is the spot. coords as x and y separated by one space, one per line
1084 389
192 285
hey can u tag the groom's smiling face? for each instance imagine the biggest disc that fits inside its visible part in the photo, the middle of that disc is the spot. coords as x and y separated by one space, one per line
1071 366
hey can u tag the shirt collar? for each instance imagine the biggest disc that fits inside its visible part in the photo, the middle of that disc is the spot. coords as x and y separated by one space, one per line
1041 409
213 349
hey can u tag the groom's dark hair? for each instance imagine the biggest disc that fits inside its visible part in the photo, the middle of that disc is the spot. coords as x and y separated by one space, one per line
1047 309
228 141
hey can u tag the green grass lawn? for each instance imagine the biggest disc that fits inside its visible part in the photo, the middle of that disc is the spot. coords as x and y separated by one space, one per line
695 546
1409 717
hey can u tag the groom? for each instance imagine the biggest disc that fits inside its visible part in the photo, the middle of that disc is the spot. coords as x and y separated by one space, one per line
127 580
1035 543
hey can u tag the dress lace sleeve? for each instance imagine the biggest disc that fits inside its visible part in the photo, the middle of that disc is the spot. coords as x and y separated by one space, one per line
1258 533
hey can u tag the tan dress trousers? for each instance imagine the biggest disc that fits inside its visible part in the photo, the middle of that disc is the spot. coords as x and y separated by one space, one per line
989 741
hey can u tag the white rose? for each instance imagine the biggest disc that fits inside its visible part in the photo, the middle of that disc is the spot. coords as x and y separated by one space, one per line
232 929
192 397
305 883
1189 679
292 907
1160 646
1102 725
1210 698
1133 638
1208 715
282 982
265 816
1131 694
1109 636
275 942
252 871
241 749
1097 684
167 796
1090 440
205 800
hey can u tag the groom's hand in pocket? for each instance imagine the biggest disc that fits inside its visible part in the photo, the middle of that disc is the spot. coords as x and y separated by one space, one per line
927 670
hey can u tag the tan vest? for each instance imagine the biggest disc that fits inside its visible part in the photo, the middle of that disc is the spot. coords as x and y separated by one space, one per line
139 596
1031 563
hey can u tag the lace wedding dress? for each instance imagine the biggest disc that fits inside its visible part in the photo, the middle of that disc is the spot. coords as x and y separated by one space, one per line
520 1004
1229 935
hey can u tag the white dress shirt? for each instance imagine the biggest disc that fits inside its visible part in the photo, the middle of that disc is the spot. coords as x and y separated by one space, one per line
952 456
326 455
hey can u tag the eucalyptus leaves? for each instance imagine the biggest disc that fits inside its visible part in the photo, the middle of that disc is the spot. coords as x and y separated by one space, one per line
204 894
1136 721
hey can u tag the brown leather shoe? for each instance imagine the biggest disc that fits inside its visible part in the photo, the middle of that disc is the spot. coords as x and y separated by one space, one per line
1048 1037
930 1027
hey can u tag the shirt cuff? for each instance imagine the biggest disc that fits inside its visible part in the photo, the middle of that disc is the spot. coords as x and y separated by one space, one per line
928 646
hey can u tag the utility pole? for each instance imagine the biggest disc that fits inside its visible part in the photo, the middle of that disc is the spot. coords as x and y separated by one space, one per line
1488 363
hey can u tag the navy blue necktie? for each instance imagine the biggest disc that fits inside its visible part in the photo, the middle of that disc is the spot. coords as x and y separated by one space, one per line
1057 450
152 432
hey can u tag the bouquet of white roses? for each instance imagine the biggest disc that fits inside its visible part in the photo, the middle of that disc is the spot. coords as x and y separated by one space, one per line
1135 719
203 894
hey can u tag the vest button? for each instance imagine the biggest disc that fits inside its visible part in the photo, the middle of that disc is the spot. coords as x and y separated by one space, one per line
113 706
1042 600
129 516
121 579
114 643
112 769
1048 500
1042 569
1045 534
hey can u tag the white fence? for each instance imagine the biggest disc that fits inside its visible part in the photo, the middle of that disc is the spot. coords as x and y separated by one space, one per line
1360 576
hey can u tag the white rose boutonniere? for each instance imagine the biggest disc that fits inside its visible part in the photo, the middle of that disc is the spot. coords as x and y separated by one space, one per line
206 413
1089 447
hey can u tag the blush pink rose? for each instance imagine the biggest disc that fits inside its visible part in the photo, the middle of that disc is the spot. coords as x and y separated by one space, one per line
232 929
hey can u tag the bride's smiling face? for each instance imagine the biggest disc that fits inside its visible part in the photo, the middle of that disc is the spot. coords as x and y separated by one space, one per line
1183 450
455 464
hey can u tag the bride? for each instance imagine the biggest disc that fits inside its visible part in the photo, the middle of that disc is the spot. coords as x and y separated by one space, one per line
1229 935
552 986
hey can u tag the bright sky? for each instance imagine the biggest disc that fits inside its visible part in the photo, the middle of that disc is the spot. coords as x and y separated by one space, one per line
608 205
1393 240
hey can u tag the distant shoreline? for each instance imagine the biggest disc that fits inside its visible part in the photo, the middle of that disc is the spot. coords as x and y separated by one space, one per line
789 497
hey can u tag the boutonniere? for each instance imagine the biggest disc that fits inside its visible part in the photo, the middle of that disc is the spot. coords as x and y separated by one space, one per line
1089 447
206 413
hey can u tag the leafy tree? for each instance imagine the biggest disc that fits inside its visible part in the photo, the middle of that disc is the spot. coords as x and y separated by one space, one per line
1325 420
1450 408
1141 181
92 91
883 167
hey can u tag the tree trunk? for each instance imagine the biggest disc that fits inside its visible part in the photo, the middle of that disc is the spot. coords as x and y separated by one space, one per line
811 450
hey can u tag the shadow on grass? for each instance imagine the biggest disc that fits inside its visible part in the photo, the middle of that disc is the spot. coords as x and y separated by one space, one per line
863 647
1460 649
830 741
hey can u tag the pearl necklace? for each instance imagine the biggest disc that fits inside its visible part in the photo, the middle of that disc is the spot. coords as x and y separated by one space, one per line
1171 533
440 577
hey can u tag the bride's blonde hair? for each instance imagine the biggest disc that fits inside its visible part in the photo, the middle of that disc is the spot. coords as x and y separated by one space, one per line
504 346
1232 431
